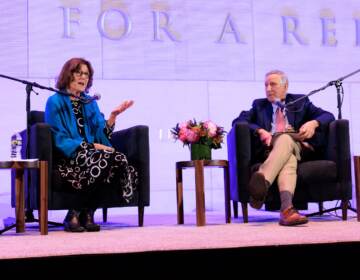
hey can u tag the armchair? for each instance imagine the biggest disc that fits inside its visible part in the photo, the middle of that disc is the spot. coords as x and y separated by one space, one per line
133 142
324 179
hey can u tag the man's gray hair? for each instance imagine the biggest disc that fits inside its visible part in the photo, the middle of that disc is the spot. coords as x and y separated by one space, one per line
283 77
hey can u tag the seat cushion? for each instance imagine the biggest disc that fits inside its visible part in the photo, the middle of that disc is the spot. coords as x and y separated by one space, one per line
317 171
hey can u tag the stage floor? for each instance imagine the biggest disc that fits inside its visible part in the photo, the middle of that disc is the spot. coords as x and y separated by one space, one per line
161 233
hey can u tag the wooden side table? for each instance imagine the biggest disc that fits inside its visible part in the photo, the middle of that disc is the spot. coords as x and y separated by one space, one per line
19 166
357 184
199 188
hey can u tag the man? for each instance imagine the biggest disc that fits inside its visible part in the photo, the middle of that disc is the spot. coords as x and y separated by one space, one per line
289 132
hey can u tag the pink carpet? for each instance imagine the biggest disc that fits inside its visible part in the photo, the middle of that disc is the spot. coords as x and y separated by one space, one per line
121 235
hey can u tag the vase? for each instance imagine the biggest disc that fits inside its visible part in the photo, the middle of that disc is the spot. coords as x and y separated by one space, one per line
200 151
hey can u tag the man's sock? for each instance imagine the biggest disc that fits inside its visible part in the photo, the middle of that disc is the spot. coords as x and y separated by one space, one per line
286 199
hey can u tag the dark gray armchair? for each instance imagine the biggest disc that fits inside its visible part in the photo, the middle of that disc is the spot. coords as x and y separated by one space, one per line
133 142
326 178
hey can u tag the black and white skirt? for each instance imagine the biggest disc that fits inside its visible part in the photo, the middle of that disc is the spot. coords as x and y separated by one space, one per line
91 168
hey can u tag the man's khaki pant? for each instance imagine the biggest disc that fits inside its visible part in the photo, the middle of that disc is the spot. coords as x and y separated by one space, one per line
282 163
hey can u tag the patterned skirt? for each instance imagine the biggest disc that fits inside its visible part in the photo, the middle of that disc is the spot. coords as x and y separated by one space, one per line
92 168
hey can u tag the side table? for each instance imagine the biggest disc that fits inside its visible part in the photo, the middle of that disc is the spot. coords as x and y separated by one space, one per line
199 188
19 166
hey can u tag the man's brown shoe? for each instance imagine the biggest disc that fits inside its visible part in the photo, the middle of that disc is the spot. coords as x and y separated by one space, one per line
291 217
258 187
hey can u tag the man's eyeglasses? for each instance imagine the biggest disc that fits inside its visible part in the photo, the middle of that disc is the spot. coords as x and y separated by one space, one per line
80 73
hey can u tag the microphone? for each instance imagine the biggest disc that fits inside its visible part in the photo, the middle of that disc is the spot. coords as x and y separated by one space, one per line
278 103
96 96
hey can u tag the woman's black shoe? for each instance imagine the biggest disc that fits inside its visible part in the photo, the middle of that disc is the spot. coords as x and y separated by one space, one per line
71 222
87 220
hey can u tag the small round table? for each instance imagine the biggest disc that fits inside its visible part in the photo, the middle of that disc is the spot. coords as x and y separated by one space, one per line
199 188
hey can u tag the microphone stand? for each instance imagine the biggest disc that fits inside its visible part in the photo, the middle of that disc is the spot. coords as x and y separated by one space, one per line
339 89
340 96
30 85
29 216
29 89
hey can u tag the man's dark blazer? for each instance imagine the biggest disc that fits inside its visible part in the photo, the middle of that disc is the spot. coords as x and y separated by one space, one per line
260 116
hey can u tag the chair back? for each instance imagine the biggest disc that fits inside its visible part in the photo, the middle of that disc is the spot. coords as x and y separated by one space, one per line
36 117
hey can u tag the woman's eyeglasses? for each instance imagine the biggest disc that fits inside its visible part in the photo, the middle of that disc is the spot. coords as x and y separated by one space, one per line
80 73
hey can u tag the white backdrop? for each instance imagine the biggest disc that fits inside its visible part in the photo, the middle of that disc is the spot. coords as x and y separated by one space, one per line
178 60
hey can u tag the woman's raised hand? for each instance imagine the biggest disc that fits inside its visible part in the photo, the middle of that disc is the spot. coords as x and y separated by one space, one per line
119 109
122 107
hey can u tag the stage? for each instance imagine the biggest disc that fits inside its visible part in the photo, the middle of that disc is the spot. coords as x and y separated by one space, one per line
323 239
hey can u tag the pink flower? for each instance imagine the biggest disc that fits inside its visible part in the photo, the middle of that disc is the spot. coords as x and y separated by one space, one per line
212 128
192 136
183 125
183 134
193 132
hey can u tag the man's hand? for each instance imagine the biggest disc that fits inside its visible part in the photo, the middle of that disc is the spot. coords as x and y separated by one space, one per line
119 109
307 130
265 136
103 147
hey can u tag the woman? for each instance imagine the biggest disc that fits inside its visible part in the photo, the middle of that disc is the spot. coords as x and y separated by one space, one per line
85 158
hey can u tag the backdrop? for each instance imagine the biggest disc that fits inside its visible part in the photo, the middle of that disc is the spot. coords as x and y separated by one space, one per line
178 60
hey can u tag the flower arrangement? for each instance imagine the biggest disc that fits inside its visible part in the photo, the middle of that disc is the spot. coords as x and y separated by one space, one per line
205 133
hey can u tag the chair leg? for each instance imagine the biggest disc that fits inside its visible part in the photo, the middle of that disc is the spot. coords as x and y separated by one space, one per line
245 212
235 207
105 210
321 207
344 207
141 215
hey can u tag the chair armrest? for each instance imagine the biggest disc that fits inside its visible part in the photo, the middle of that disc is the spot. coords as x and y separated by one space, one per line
134 143
239 156
338 149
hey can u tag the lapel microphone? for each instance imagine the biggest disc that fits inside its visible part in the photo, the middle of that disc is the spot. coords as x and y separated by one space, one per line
281 105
